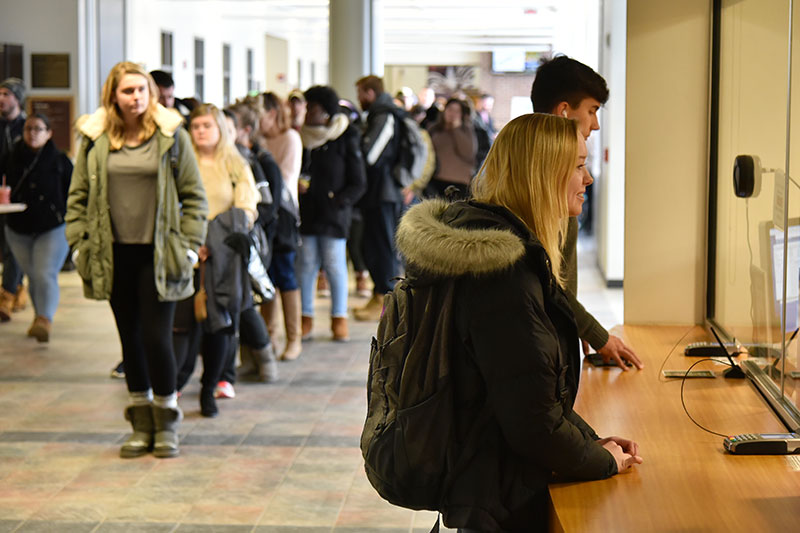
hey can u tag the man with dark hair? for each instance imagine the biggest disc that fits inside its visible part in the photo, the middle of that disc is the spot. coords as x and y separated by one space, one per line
569 88
566 87
13 296
166 93
383 202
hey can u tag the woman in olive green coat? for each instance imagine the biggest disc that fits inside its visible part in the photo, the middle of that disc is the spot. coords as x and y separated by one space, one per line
136 215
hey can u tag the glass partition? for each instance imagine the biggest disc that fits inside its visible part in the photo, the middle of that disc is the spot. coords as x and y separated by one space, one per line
754 221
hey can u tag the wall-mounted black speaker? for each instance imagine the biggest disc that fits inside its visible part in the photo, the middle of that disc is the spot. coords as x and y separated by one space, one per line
746 176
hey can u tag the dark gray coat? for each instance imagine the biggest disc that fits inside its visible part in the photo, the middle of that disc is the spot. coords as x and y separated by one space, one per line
226 280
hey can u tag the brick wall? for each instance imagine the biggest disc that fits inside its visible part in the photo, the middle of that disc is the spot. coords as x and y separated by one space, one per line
503 87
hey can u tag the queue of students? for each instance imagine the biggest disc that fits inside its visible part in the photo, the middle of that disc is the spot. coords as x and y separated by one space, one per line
156 214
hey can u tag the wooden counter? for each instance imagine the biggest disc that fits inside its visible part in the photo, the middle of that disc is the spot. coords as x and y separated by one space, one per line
687 481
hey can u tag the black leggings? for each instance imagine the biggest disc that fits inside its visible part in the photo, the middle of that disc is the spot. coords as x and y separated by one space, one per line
144 323
190 338
252 333
354 242
213 347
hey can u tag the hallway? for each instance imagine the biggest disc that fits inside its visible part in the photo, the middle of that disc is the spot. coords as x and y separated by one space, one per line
280 458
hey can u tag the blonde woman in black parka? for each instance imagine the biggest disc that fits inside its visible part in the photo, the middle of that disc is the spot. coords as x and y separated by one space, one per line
516 356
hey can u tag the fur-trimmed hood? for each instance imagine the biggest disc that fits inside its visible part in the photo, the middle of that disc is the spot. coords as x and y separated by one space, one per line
448 240
93 125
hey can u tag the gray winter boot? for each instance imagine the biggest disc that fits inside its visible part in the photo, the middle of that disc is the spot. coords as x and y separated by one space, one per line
249 367
141 441
267 363
166 422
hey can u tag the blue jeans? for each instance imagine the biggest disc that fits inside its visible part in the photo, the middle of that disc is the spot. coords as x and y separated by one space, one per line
41 256
12 273
331 254
281 271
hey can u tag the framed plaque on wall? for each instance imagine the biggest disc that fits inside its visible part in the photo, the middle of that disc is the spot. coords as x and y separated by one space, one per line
50 71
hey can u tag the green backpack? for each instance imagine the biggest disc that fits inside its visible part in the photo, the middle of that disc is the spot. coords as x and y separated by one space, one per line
406 442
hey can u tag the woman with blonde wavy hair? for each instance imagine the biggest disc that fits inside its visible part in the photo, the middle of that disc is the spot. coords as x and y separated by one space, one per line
285 145
232 199
136 216
514 352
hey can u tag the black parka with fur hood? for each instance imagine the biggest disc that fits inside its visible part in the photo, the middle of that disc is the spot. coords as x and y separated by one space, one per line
516 363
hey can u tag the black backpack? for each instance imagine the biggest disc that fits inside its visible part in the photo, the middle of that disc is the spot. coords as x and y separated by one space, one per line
406 442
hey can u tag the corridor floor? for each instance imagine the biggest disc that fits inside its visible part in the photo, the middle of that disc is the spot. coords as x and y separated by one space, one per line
280 458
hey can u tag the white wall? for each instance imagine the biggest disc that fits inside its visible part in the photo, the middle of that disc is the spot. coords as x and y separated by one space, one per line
24 22
610 184
210 21
276 62
666 160
576 32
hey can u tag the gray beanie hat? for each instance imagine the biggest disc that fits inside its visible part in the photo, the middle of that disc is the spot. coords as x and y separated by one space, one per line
17 87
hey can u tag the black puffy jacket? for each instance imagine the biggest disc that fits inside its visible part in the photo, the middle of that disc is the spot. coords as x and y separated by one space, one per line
337 181
516 365
40 180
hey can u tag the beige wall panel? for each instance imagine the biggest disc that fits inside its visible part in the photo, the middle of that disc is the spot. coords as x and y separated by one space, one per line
666 160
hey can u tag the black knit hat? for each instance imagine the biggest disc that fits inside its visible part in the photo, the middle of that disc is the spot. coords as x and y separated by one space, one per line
324 96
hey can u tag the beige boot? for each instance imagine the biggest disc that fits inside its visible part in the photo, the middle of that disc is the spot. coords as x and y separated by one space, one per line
21 298
362 284
6 305
306 327
40 329
291 317
339 329
270 315
372 311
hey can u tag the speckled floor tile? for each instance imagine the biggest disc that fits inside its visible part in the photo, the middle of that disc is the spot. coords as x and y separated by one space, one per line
280 458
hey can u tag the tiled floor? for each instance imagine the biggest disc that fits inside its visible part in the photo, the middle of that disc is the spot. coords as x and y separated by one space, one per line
280 458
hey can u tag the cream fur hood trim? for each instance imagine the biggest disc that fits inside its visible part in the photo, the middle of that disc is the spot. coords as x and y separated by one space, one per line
315 136
93 126
440 249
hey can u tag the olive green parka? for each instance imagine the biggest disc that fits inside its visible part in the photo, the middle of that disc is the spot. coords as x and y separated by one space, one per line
181 209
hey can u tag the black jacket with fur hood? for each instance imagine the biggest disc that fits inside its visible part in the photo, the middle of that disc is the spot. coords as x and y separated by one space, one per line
516 363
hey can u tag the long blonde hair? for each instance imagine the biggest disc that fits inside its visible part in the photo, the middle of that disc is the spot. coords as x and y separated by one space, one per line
115 125
527 171
226 156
